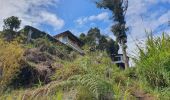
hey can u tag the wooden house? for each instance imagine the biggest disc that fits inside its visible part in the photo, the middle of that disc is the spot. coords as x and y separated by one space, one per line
70 40
65 39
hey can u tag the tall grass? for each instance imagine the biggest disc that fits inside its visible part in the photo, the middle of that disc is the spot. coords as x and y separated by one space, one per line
10 58
89 77
89 73
94 77
153 63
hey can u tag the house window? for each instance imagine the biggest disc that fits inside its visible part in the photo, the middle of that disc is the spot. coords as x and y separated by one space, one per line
65 39
117 58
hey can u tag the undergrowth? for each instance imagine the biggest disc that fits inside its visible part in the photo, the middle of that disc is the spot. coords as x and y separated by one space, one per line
95 77
10 58
153 65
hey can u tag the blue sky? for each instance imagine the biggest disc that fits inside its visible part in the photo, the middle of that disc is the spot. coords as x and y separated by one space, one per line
55 16
71 11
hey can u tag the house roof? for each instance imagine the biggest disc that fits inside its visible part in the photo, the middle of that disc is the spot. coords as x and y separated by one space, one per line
72 36
39 34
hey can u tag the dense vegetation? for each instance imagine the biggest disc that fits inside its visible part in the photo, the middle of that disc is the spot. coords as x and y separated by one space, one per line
44 70
95 41
11 54
93 76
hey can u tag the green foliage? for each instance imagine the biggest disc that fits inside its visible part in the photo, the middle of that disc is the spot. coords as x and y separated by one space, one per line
92 37
11 54
93 77
95 41
82 37
87 74
45 45
11 23
153 63
10 26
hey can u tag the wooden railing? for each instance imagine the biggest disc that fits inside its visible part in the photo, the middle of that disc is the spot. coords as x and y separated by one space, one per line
74 46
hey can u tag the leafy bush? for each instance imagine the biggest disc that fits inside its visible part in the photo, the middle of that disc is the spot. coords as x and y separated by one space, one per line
11 54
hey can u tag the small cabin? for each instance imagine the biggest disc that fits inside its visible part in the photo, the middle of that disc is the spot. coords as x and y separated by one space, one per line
70 40
119 61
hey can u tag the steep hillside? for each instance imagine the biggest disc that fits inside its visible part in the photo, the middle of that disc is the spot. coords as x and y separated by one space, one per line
45 71
38 60
90 77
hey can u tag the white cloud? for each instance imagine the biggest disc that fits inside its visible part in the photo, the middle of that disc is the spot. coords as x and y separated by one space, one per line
28 12
141 19
52 19
100 17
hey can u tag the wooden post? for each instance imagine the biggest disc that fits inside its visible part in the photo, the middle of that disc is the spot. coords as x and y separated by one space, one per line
29 36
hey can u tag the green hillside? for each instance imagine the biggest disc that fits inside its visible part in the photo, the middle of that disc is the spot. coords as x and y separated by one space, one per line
43 70
36 66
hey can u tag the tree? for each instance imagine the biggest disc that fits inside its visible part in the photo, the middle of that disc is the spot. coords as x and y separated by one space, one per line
112 47
96 41
118 8
92 37
82 37
103 43
12 23
94 32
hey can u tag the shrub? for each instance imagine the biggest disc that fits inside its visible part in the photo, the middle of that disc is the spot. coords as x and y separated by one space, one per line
11 54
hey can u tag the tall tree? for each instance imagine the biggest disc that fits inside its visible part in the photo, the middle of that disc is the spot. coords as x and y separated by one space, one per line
82 37
118 9
94 32
12 23
96 41
112 47
93 36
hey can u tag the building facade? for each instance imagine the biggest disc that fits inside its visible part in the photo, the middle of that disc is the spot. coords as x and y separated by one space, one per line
70 40
119 61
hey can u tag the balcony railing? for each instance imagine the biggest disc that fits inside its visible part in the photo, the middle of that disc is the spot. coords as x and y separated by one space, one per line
74 46
118 59
116 62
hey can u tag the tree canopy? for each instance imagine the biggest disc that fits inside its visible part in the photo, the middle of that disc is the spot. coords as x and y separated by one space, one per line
96 41
11 23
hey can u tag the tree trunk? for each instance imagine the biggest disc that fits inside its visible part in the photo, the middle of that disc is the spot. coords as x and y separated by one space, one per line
125 58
